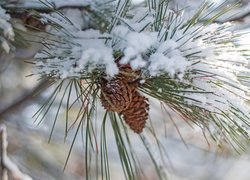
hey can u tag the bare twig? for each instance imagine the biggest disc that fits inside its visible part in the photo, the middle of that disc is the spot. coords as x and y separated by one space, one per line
6 164
4 175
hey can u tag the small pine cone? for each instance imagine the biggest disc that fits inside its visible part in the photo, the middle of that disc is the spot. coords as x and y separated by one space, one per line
120 95
116 95
136 114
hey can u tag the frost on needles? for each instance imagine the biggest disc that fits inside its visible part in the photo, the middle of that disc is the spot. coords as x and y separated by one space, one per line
198 58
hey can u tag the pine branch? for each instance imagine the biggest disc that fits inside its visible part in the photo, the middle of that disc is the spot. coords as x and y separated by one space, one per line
182 62
43 6
18 8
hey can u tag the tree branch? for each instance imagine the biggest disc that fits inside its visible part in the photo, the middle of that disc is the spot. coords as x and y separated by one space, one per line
18 7
6 164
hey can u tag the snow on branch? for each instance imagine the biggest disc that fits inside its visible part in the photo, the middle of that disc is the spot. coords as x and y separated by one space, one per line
7 165
6 31
200 57
49 5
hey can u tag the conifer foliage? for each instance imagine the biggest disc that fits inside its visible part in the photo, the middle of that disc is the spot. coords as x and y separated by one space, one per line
120 55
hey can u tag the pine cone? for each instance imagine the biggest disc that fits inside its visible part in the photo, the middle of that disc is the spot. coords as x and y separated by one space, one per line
136 114
121 95
127 74
116 95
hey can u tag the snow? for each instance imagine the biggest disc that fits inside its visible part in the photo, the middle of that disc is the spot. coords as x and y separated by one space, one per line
168 58
86 59
203 56
137 44
141 19
8 33
137 1
159 63
91 60
141 42
204 60
35 4
61 3
5 46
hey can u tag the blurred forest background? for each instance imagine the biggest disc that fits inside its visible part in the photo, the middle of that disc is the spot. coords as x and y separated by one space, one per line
190 156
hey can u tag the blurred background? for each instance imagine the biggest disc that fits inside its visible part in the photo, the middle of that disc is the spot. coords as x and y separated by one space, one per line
188 154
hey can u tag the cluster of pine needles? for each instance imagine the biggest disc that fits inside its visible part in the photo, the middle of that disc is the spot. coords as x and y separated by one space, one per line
84 94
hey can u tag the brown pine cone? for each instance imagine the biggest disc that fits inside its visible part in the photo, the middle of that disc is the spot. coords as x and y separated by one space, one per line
120 95
136 114
127 74
116 95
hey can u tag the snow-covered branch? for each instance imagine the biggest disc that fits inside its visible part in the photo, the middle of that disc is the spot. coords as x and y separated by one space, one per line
198 55
7 165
